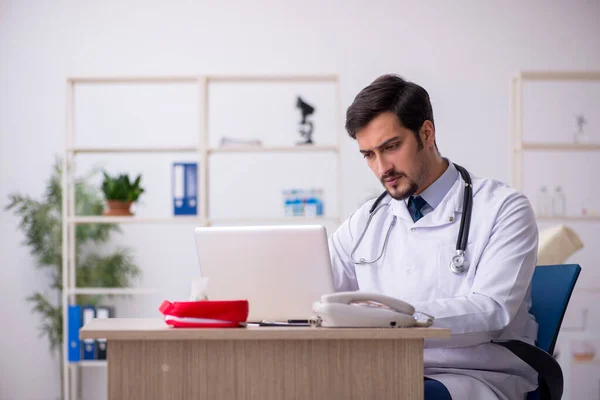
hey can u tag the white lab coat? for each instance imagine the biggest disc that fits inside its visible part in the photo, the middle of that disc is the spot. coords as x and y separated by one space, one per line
491 300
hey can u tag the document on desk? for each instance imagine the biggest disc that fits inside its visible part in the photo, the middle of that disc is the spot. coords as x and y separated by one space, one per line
291 322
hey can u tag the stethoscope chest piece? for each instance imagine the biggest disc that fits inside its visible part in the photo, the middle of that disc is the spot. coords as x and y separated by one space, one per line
458 265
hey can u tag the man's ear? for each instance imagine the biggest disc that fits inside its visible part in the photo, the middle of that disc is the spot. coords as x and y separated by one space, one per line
427 134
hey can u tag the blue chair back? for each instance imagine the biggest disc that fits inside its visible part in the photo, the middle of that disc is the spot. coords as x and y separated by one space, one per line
551 289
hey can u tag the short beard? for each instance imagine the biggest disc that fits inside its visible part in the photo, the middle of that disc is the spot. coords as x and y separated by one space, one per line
413 186
412 189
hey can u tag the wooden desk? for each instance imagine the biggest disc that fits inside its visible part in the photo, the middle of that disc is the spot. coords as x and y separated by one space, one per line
149 360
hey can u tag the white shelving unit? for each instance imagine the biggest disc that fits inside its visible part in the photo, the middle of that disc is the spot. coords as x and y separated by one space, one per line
203 152
520 147
99 363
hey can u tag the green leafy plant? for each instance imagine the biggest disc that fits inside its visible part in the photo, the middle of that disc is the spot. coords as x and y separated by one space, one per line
41 222
121 188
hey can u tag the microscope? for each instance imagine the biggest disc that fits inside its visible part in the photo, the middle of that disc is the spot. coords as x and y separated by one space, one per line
305 127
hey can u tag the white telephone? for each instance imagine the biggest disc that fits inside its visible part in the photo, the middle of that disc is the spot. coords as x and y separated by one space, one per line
364 310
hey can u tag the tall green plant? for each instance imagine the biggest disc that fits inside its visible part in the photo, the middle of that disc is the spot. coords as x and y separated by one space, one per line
41 222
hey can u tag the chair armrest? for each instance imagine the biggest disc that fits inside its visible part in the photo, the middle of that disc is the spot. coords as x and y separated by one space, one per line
549 372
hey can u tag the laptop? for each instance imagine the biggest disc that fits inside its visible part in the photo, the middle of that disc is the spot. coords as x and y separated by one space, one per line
280 270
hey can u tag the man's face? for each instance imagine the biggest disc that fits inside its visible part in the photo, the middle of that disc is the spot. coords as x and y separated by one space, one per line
394 155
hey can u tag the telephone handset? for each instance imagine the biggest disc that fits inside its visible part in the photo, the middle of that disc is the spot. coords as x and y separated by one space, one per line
361 309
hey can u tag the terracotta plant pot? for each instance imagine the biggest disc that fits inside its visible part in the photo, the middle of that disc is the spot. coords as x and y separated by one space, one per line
118 207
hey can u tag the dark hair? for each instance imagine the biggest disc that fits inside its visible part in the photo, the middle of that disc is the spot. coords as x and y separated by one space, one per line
390 93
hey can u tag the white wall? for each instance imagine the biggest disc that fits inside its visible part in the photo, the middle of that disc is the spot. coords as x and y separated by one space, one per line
463 52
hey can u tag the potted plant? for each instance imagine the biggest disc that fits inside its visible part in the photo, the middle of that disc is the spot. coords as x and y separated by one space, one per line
120 193
41 222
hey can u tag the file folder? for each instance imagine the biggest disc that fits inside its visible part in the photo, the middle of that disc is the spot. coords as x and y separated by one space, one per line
185 188
89 345
73 325
101 344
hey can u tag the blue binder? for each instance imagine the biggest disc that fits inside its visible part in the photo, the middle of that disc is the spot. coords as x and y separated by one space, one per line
89 345
73 325
101 344
185 188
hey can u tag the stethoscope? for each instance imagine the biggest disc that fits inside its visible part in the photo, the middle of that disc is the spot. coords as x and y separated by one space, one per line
458 263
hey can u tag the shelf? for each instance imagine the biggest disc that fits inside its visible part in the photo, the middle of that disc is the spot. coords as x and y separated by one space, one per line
588 218
161 149
560 146
584 362
560 75
289 220
112 291
88 363
193 220
210 78
99 219
265 149
133 79
193 149
273 78
575 335
588 289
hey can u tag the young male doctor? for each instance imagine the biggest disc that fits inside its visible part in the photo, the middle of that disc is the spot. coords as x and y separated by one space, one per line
405 250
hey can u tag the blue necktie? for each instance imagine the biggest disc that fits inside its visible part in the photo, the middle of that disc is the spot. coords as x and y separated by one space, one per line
415 204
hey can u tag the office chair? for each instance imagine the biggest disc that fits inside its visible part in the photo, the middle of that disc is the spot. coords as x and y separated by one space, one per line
551 289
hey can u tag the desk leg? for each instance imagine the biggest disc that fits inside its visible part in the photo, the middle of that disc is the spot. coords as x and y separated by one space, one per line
266 369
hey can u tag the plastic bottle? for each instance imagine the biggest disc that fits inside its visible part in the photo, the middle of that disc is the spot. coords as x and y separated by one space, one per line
544 204
558 202
580 136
